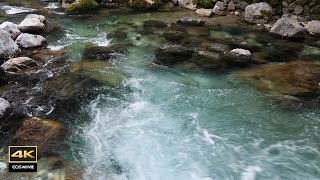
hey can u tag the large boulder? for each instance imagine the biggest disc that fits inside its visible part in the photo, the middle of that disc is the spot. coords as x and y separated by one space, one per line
32 24
258 13
313 28
45 133
8 48
19 65
11 28
288 28
5 109
170 54
298 78
41 18
26 40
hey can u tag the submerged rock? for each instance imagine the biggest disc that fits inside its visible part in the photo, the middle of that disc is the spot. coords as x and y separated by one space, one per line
26 40
100 71
45 133
209 60
189 21
175 35
258 13
5 109
313 28
298 78
98 53
11 28
8 48
170 54
154 24
288 28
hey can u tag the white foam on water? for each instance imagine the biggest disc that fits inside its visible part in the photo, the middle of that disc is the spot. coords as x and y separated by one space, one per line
101 40
56 47
52 5
250 173
16 9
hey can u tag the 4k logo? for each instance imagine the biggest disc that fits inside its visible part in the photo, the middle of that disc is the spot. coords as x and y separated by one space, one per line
20 154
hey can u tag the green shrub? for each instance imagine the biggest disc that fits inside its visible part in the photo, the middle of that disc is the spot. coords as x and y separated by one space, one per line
83 5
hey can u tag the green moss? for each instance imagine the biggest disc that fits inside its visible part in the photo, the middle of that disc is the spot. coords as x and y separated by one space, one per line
144 5
203 3
83 5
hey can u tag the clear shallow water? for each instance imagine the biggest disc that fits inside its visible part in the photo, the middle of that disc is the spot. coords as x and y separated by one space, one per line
164 124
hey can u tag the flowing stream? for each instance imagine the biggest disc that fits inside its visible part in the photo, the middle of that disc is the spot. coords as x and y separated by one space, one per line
167 124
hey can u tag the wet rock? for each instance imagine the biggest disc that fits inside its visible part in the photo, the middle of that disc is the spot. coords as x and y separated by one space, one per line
5 109
170 54
144 4
189 21
209 60
204 12
98 53
11 28
8 48
26 40
299 79
45 133
242 5
50 57
216 47
298 10
100 71
175 35
288 28
239 57
313 28
154 24
19 65
31 25
258 13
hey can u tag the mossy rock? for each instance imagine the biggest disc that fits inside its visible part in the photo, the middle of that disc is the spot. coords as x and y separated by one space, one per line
82 6
145 4
100 71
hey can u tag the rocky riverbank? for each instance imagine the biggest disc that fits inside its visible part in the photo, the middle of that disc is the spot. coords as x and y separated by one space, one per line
38 83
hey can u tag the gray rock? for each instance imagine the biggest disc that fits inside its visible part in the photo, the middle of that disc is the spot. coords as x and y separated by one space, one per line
306 9
204 12
292 6
8 48
313 28
285 4
171 54
298 10
231 6
18 65
288 28
31 25
5 108
218 7
11 28
41 18
189 21
26 40
242 5
208 60
258 13
241 55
